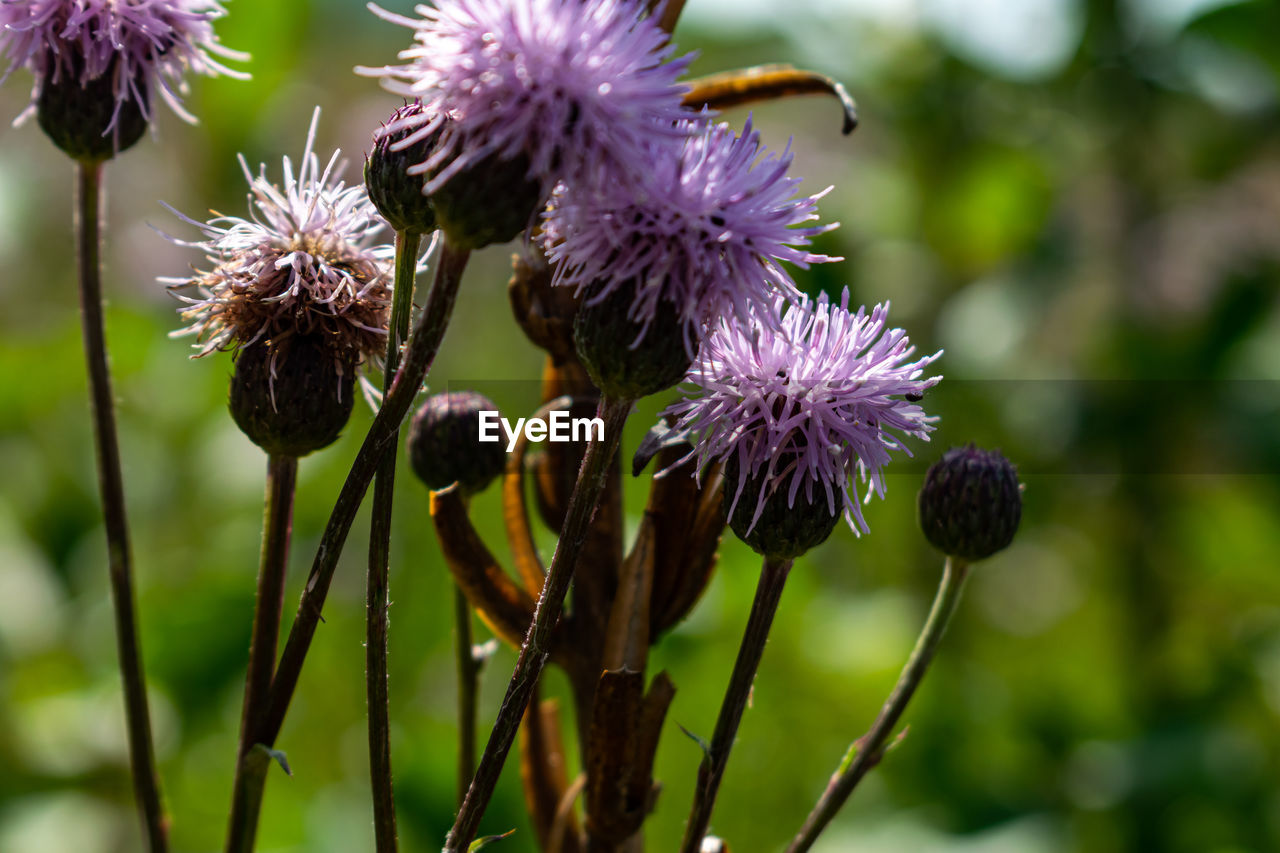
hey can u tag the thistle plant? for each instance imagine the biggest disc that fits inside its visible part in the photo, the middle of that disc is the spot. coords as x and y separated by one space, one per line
660 244
97 67
301 293
795 407
969 506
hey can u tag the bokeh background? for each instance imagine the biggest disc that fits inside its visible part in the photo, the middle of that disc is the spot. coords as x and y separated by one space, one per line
1079 200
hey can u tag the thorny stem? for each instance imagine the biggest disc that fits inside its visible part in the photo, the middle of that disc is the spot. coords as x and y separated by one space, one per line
468 686
533 655
378 579
88 227
423 345
277 522
870 748
773 576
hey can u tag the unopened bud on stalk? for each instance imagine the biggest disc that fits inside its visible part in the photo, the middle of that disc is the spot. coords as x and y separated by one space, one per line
445 447
397 195
292 397
77 115
971 503
782 530
627 358
490 201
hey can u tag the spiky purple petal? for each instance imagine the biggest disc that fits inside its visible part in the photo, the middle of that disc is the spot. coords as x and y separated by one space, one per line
579 87
808 402
154 42
707 230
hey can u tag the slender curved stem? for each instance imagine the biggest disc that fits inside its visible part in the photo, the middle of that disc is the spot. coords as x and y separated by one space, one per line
533 655
468 688
773 576
277 523
88 228
423 345
866 752
378 579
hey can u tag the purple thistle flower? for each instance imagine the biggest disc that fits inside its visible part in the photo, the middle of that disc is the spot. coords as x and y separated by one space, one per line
808 402
302 263
705 231
579 87
153 41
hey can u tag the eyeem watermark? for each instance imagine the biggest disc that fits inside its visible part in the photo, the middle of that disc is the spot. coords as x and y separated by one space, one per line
558 427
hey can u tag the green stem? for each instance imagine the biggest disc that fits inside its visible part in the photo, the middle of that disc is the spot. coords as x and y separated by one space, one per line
378 579
468 687
773 576
870 748
277 524
420 352
533 655
88 227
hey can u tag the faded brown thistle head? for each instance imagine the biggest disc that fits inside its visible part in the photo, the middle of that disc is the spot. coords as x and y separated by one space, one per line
302 264
300 294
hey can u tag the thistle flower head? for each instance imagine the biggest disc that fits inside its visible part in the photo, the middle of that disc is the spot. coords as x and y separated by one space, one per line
707 231
578 87
145 45
302 263
803 405
971 503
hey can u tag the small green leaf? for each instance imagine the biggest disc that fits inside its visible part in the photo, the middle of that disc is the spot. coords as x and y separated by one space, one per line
706 748
280 757
481 843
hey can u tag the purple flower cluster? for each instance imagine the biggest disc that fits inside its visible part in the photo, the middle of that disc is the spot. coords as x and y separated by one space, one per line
303 263
650 193
653 197
809 402
146 45
706 230
579 87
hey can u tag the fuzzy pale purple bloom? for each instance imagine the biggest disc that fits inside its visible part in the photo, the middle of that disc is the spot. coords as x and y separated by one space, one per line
152 42
579 87
808 403
707 230
304 262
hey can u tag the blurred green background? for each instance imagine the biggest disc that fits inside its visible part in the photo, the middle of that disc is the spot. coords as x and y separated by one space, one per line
1079 200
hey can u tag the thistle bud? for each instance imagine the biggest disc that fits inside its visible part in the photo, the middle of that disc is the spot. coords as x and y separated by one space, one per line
77 114
626 358
445 447
782 530
971 503
291 397
397 195
490 201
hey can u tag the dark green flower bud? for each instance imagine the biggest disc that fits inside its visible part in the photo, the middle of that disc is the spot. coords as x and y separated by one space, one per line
491 201
445 447
397 195
78 117
292 397
971 503
781 531
620 366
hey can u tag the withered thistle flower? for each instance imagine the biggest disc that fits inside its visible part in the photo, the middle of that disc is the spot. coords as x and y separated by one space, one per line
798 408
100 64
302 276
304 262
